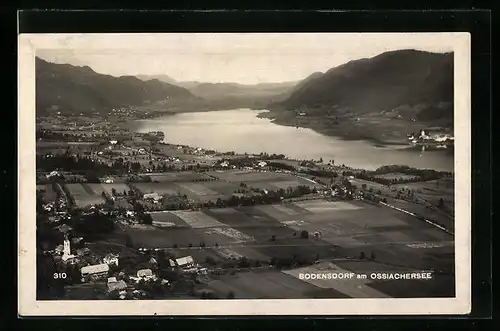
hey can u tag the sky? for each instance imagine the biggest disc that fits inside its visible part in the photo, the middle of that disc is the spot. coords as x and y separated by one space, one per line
224 57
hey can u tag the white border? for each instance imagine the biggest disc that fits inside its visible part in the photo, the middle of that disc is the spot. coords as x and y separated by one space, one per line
29 306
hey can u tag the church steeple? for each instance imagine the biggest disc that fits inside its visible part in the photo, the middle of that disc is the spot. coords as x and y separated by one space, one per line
67 249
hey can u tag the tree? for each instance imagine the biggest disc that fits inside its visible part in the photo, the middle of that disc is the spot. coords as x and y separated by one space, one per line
363 186
362 255
304 234
113 191
243 262
273 237
147 219
230 295
372 255
210 260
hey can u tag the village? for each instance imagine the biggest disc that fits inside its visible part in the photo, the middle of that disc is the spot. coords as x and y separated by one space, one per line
125 215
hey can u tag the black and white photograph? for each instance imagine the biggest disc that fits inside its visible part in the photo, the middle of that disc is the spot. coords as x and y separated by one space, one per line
244 173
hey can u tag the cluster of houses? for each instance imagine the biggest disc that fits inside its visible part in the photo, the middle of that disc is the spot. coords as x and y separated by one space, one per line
430 137
100 272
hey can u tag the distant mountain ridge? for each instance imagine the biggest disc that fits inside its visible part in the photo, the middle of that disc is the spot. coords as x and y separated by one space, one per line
218 91
69 88
418 83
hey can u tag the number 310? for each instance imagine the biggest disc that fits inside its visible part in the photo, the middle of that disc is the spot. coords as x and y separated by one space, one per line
60 275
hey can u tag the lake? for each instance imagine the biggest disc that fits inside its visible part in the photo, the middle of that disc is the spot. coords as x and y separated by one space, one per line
241 131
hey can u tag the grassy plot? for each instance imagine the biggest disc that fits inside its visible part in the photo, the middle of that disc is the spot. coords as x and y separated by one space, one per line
119 188
167 219
84 195
163 238
184 176
396 175
271 285
160 188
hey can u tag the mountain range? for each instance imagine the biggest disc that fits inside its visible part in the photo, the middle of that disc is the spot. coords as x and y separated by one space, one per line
414 83
411 84
71 88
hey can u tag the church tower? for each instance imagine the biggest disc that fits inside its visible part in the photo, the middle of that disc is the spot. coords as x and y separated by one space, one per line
67 249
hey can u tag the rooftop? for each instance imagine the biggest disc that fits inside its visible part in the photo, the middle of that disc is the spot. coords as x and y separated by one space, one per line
93 269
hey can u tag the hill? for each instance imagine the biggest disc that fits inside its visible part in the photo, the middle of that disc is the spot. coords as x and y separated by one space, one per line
69 88
232 95
161 78
394 91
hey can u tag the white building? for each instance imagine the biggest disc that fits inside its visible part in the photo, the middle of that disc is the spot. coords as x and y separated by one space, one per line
94 272
52 174
262 164
145 274
185 262
116 285
152 196
67 250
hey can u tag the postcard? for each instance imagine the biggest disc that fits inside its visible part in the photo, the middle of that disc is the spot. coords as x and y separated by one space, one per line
219 174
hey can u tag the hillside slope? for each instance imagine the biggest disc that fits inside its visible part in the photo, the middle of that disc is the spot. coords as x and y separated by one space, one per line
381 98
69 88
420 84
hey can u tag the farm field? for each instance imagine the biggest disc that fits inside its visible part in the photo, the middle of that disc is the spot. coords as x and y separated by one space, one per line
160 188
185 176
108 188
84 194
396 175
271 285
353 236
249 176
198 191
432 191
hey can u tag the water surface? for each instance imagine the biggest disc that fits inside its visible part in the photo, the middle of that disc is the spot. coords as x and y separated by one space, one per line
241 131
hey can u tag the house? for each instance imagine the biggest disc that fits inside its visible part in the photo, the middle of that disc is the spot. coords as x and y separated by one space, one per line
94 272
152 196
53 174
145 274
113 142
116 285
111 259
109 181
224 164
185 262
262 164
